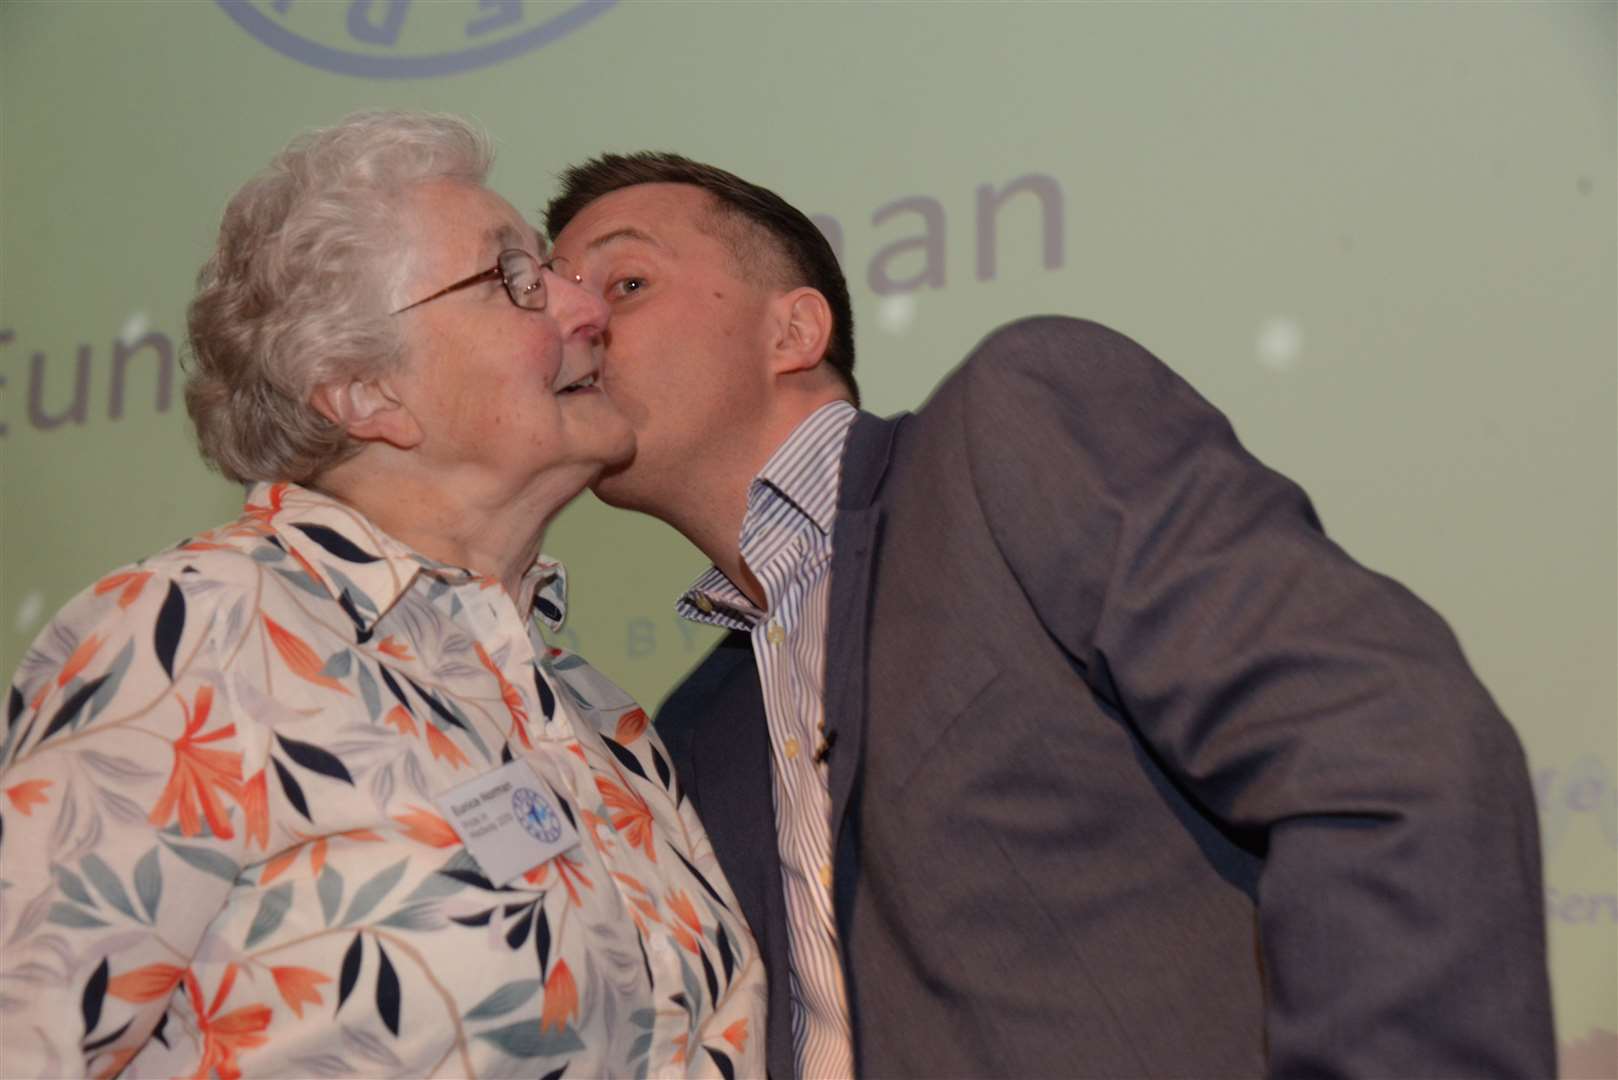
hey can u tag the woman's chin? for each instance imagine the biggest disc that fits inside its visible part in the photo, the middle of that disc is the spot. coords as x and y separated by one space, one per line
617 441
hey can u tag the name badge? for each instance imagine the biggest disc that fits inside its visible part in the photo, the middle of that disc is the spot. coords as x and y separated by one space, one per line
508 819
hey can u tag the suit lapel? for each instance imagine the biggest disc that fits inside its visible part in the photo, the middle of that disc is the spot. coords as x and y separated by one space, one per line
730 745
855 537
730 762
847 610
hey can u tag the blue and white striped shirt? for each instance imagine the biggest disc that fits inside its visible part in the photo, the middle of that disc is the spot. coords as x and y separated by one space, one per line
786 543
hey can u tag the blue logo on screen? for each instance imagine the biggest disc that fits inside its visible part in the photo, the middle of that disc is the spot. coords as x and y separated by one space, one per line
385 39
536 815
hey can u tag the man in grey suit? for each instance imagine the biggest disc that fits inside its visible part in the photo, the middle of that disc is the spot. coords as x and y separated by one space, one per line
1053 737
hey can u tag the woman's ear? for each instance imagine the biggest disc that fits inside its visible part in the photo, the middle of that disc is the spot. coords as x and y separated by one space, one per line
368 410
803 331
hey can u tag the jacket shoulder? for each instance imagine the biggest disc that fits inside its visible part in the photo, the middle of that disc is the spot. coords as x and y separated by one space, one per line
1062 355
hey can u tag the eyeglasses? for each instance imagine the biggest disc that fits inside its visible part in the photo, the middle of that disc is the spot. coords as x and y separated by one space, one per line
521 274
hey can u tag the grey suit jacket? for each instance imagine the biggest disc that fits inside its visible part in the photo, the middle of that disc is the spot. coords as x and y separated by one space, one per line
1136 773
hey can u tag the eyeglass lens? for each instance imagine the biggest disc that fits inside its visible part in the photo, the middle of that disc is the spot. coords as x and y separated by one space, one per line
524 277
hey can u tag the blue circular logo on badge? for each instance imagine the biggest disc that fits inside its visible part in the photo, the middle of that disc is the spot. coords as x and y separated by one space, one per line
536 815
392 39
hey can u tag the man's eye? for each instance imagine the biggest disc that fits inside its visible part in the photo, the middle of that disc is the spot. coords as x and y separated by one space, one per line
625 286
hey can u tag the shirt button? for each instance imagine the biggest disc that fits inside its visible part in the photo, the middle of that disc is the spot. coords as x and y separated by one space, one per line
825 875
792 749
704 604
775 634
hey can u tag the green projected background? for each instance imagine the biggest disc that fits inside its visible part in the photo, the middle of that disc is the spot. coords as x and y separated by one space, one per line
1381 237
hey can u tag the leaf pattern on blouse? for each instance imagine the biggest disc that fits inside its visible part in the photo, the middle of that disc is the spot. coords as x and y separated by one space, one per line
219 854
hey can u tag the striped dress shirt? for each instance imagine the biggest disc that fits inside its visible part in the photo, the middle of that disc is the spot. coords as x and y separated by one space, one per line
786 543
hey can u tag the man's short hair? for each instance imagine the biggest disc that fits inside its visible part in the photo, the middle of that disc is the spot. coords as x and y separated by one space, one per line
793 240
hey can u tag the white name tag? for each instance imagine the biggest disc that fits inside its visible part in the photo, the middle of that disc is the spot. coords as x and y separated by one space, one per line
508 819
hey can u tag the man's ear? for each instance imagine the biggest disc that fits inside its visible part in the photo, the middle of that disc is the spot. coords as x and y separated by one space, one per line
803 331
368 410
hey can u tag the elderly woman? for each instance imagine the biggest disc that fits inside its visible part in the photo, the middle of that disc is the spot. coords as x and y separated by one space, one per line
309 794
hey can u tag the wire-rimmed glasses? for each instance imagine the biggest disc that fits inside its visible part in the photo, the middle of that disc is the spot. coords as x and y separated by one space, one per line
521 273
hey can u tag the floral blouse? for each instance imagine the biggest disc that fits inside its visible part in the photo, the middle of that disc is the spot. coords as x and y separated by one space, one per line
220 852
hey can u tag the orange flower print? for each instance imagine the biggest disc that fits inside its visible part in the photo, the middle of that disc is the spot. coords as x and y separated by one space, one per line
199 775
223 1037
630 815
509 695
299 986
317 853
686 914
299 656
81 657
75 663
27 795
317 857
561 998
308 567
399 718
566 869
131 581
639 896
146 984
396 649
265 513
255 800
227 1036
426 827
680 1042
444 748
278 865
116 1063
570 872
593 824
631 725
736 1034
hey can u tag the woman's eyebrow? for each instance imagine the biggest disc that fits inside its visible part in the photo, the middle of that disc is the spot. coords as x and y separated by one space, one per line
505 236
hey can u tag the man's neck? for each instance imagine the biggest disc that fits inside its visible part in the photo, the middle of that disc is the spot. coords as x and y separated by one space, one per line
710 517
708 505
721 532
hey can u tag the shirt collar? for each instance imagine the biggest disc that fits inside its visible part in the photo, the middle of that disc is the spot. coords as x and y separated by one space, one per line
804 469
365 569
802 474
